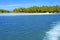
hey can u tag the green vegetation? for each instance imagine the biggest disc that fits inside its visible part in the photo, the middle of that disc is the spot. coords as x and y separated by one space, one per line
34 9
4 11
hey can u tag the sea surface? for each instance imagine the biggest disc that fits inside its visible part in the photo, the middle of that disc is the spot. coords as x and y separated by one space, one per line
30 27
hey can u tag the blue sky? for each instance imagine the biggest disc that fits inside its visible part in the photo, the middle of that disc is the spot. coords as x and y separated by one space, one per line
11 4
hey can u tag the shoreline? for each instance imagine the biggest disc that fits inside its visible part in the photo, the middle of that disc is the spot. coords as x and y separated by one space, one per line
15 14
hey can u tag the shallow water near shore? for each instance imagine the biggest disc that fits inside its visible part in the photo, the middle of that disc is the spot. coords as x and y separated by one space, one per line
28 27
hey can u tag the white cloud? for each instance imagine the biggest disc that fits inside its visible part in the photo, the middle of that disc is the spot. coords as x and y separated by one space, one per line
11 5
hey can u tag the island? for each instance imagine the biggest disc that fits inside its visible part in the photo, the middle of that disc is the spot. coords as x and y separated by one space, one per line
34 9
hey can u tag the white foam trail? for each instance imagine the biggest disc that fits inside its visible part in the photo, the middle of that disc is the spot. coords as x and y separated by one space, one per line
54 33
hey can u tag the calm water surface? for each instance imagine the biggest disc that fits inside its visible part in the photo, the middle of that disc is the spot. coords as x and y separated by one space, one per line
26 27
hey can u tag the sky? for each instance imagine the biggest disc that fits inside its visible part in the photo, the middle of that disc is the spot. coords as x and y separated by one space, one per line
11 4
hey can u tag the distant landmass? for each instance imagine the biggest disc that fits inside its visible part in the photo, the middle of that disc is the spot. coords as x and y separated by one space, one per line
34 9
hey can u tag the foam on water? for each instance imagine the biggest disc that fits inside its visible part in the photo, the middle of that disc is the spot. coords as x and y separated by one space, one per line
54 33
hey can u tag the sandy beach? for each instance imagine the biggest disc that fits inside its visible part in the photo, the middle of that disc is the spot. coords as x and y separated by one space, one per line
14 14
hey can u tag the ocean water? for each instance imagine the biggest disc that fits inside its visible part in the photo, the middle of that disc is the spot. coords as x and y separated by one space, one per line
30 27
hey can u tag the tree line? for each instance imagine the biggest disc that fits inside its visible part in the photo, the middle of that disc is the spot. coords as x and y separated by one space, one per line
4 11
34 9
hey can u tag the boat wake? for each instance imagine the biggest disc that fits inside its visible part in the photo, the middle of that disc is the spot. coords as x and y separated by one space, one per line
54 33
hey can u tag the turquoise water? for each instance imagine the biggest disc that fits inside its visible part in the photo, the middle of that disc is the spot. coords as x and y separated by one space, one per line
26 27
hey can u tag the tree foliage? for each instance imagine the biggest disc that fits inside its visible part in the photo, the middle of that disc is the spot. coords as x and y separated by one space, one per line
4 11
36 9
